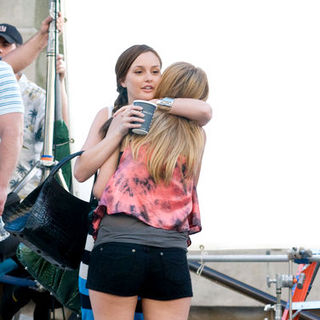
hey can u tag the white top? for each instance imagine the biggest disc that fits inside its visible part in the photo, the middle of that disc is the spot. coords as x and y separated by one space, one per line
10 98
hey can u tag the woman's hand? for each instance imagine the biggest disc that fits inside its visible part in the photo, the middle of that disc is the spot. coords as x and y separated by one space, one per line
124 119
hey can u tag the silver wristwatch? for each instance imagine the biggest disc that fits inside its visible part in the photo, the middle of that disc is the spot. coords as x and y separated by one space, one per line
165 104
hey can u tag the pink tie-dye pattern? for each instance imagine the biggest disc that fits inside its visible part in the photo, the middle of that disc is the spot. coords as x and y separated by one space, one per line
131 190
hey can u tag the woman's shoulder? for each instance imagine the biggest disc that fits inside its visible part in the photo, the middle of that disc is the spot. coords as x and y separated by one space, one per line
100 119
103 115
105 112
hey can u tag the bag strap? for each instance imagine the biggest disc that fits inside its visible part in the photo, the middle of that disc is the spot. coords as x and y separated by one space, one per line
63 161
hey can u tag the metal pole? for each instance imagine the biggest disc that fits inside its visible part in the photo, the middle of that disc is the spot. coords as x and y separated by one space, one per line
245 258
244 288
290 290
52 92
47 156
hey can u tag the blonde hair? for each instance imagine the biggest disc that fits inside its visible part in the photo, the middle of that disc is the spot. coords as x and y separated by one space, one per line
172 138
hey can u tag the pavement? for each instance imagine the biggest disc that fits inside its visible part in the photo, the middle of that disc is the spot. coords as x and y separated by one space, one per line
196 313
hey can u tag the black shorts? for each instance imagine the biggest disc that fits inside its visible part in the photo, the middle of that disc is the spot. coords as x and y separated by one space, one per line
126 269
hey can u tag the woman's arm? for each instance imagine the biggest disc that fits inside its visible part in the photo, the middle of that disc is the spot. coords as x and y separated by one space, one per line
196 179
105 173
192 109
97 150
94 156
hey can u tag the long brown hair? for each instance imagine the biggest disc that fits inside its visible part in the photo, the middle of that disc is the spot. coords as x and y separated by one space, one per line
122 67
172 137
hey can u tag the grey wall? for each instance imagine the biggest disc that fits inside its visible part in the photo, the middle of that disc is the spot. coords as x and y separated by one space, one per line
27 15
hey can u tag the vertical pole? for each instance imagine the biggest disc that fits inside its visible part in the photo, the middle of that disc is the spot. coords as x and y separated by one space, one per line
47 156
290 290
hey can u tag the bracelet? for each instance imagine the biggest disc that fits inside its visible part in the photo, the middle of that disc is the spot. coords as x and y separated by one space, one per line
165 104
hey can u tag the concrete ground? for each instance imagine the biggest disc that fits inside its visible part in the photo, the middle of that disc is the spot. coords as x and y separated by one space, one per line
228 313
196 313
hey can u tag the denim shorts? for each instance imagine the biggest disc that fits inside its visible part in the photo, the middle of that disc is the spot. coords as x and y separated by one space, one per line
126 269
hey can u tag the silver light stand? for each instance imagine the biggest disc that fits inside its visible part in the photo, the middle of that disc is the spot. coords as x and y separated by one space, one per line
281 280
47 159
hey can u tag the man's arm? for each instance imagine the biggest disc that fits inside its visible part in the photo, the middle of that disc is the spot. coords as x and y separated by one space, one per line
21 57
11 127
11 134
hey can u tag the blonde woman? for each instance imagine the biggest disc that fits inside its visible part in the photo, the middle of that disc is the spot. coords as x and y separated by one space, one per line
138 73
149 208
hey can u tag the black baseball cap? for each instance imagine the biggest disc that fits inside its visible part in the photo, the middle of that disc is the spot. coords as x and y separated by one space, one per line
10 33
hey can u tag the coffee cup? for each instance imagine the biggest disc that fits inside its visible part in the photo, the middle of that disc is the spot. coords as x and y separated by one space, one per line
148 111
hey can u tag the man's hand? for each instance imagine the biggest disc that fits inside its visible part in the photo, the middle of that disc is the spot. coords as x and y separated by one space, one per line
44 29
45 24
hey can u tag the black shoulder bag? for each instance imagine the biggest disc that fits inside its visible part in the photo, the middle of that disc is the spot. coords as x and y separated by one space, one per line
51 221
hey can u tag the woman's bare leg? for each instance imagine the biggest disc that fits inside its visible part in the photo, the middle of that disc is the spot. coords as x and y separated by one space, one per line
177 309
110 307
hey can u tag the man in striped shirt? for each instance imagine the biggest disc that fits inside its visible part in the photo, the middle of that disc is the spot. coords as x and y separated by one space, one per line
11 127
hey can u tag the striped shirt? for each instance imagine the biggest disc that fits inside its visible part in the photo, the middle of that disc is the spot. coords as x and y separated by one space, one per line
10 97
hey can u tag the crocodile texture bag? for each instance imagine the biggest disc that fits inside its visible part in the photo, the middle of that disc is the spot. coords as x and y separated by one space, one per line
62 284
51 221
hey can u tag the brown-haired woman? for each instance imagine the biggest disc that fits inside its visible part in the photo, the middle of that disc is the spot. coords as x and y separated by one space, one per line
149 208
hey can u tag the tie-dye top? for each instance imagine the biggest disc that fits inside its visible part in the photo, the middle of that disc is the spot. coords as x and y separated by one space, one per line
131 190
